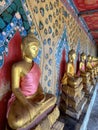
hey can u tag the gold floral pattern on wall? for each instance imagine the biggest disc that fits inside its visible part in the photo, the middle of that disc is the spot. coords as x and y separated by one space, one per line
50 19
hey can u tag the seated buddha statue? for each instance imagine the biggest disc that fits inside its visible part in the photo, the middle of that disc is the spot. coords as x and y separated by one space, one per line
97 65
96 62
89 62
90 68
82 65
28 99
71 83
84 74
94 66
72 96
70 76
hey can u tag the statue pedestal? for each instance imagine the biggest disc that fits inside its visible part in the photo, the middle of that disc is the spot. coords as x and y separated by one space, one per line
87 87
88 90
50 122
72 98
75 113
81 124
58 126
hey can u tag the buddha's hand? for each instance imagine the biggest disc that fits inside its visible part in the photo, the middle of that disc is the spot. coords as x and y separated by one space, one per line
64 79
41 98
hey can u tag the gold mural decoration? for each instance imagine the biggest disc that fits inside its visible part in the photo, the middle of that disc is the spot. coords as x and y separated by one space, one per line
49 20
50 17
46 15
75 33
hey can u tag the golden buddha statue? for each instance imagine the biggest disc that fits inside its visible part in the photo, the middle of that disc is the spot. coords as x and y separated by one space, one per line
82 66
28 101
90 69
84 74
94 67
70 76
89 59
72 97
96 62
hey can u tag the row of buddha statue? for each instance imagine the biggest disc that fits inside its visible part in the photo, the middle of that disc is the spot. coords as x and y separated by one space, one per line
29 107
76 87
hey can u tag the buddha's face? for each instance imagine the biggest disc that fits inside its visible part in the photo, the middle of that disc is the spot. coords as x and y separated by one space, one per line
83 57
74 56
89 58
31 50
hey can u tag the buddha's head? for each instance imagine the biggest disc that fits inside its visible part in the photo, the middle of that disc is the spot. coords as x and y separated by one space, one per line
72 55
89 58
30 46
83 56
93 58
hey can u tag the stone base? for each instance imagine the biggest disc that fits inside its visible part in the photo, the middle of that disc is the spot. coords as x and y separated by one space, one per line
75 113
93 82
72 102
49 123
58 126
68 90
81 124
86 81
88 90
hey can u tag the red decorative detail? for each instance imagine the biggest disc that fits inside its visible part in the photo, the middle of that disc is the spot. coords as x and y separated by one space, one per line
96 40
14 55
94 34
62 66
67 5
77 65
91 20
3 109
88 10
5 72
84 5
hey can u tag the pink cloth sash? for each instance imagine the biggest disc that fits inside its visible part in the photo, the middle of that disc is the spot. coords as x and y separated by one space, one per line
83 68
28 84
93 64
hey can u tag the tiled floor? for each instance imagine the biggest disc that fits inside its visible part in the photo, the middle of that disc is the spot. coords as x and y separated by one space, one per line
93 121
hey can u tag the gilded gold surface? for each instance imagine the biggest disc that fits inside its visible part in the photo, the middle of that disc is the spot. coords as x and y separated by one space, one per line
91 68
84 74
72 84
25 109
82 63
89 61
48 122
70 76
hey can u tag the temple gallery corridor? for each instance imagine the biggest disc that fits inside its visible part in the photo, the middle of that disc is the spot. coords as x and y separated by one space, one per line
48 64
93 121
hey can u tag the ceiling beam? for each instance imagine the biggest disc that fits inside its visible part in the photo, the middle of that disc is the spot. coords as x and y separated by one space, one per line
93 30
96 39
87 12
